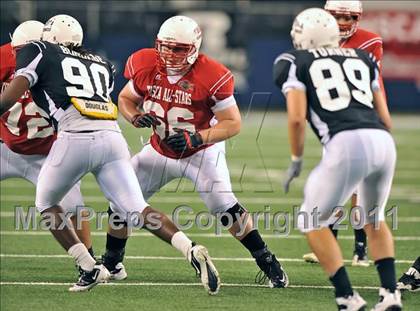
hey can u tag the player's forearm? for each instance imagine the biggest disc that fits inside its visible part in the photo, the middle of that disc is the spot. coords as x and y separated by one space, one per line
12 93
127 107
296 137
221 131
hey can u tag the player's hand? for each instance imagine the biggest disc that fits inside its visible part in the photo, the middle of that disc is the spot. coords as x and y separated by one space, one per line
184 140
144 120
292 172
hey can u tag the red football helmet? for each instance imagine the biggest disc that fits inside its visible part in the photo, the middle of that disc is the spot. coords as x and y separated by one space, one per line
177 45
350 10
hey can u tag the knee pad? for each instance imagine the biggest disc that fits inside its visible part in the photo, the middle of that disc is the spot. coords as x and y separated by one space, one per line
235 211
117 219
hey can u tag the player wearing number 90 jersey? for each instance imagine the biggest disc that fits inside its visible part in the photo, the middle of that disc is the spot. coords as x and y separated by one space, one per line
27 133
74 87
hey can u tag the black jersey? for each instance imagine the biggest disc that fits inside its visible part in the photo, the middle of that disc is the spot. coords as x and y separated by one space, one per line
338 84
56 74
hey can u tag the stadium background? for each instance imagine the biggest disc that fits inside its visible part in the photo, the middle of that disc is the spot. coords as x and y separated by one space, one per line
246 36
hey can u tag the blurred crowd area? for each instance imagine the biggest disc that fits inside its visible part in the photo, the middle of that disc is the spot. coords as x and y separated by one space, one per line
245 35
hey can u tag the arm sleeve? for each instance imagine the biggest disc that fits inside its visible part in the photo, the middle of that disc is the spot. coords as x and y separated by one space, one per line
29 62
284 73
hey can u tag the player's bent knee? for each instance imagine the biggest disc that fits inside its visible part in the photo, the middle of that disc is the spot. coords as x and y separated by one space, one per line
234 213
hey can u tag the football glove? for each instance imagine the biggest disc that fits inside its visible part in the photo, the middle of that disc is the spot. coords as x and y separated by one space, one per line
144 120
292 172
184 140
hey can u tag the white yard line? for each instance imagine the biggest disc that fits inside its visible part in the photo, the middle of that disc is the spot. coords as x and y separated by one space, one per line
173 284
178 199
166 199
200 235
240 259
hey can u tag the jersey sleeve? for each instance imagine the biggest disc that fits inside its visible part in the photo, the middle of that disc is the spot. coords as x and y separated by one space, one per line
284 73
29 61
220 85
134 68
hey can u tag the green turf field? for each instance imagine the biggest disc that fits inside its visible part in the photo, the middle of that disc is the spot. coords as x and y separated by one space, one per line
36 272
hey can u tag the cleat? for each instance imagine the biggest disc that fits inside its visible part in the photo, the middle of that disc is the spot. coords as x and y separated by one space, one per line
118 273
89 279
272 270
351 303
360 258
388 301
113 262
199 258
410 280
311 258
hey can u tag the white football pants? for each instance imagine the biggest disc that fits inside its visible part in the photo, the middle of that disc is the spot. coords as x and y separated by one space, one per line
105 154
207 169
362 159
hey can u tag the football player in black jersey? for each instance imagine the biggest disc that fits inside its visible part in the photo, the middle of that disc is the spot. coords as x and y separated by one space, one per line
37 69
74 86
337 91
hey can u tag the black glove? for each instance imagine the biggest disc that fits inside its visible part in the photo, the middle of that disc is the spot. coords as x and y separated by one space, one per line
292 172
184 140
144 120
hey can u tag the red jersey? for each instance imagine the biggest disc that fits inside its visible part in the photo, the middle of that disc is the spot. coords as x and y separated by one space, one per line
371 43
365 40
25 128
187 103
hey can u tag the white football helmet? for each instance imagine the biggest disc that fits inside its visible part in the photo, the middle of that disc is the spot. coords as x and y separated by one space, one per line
350 9
315 28
178 42
25 32
63 29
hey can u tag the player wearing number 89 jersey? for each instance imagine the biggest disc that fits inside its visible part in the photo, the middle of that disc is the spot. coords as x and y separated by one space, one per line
337 90
338 84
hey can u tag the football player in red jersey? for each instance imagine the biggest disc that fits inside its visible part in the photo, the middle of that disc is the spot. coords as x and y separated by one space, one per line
187 98
27 133
348 15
